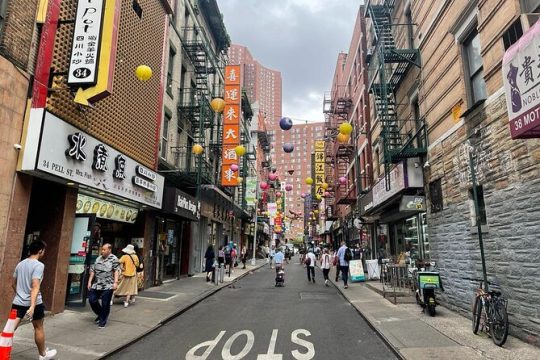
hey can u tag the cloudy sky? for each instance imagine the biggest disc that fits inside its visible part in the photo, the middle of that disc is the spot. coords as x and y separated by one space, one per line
300 38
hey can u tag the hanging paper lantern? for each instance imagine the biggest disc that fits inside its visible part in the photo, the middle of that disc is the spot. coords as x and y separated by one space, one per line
234 167
143 72
309 181
272 177
315 212
263 185
197 149
326 194
288 187
217 104
324 186
318 197
278 194
288 147
342 138
303 195
342 180
285 123
345 128
239 179
240 150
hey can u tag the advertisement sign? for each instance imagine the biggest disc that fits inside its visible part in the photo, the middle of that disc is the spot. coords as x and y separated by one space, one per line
412 203
251 191
520 75
71 154
105 209
231 124
272 210
319 167
182 204
356 270
83 63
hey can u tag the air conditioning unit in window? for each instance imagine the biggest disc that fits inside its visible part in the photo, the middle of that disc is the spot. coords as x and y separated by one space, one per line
528 20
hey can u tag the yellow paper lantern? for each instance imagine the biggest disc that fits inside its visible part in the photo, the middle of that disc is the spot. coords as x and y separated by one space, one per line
143 72
345 128
240 150
217 104
316 212
197 149
342 138
324 186
319 197
309 181
239 179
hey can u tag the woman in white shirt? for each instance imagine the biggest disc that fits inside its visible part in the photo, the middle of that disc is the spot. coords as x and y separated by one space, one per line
326 263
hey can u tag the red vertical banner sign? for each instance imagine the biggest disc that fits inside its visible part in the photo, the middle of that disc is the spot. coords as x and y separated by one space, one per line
231 125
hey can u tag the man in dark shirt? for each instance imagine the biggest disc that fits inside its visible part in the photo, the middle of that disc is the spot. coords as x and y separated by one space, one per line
105 273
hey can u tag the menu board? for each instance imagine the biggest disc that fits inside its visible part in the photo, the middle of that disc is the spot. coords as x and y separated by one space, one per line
106 209
356 270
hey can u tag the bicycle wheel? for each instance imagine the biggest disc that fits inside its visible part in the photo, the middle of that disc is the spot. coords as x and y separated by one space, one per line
498 326
476 314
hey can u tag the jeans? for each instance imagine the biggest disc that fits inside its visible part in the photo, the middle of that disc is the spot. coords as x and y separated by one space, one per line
101 310
338 269
345 274
310 273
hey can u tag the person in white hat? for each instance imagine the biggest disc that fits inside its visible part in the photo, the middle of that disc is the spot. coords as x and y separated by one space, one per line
128 285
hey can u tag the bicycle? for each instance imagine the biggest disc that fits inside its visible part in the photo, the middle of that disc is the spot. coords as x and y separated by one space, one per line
495 318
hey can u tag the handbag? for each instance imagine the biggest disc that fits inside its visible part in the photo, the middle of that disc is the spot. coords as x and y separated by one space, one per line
139 268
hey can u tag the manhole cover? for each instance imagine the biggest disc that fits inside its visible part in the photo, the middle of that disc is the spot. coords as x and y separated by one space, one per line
313 296
155 295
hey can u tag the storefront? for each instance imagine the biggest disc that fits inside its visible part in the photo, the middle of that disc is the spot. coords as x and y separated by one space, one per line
174 234
84 194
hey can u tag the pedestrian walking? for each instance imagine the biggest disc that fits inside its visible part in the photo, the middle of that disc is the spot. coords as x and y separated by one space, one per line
326 263
129 262
105 273
335 262
310 265
244 257
28 301
234 257
221 256
345 255
209 257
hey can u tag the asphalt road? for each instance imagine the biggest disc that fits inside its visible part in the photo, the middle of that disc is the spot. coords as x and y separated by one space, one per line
258 321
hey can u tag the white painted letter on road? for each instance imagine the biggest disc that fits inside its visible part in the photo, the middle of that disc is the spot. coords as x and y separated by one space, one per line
226 353
211 344
309 346
271 348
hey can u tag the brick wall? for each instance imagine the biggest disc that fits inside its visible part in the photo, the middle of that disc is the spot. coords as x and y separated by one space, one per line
509 172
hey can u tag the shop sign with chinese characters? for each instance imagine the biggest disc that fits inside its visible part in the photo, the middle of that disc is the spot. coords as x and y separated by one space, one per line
521 77
83 63
319 167
231 125
71 154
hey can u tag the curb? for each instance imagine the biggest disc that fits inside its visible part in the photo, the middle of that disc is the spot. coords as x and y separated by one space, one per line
171 317
371 324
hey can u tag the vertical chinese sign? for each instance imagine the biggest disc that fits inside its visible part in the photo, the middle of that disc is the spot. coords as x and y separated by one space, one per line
231 125
319 167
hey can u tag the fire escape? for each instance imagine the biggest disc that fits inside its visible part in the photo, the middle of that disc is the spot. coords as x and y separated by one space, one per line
336 107
388 66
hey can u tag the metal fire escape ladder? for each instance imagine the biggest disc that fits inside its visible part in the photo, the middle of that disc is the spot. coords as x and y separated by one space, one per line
388 69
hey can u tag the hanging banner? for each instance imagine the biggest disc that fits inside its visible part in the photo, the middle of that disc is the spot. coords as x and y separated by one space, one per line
231 124
251 191
272 210
319 167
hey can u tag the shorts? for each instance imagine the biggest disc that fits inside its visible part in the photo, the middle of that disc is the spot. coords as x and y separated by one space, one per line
39 311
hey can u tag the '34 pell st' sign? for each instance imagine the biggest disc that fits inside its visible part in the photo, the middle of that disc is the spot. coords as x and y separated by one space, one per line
71 154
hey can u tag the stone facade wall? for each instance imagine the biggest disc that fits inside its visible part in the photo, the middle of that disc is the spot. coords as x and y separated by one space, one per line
509 172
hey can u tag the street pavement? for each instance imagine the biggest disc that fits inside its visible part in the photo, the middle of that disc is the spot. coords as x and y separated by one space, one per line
256 320
201 311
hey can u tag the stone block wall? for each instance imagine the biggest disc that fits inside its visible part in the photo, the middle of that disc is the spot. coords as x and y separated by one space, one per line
509 172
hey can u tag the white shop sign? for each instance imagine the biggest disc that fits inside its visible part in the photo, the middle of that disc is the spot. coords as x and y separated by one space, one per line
71 154
83 63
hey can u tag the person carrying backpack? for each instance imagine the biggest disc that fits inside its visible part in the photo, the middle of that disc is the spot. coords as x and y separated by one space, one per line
344 255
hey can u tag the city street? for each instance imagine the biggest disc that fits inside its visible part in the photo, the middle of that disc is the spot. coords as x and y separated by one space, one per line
255 320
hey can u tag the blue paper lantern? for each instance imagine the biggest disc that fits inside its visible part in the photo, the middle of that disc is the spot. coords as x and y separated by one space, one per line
285 123
288 147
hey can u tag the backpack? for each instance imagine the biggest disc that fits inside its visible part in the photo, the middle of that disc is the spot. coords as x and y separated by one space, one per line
139 268
307 261
348 255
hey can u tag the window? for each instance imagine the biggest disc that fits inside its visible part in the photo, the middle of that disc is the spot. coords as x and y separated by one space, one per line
514 32
435 193
170 69
474 69
165 135
481 206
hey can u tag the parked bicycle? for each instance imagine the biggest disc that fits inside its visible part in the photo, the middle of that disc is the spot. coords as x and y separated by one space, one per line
489 311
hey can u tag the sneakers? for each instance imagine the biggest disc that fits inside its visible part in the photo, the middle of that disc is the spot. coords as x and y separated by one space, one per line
132 301
101 327
96 320
325 282
126 304
346 287
49 354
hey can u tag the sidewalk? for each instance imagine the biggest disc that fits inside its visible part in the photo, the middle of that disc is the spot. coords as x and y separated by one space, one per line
76 337
416 335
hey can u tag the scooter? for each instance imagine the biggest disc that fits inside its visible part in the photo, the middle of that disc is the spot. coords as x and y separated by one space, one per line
426 284
280 276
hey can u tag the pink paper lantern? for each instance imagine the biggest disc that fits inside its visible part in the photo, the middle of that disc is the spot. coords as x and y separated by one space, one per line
288 187
326 194
272 177
342 180
303 195
263 185
278 194
234 167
